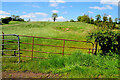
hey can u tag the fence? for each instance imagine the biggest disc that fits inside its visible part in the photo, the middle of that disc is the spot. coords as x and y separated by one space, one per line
63 46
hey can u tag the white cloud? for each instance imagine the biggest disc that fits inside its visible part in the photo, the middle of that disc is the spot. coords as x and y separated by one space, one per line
90 12
54 4
59 1
61 18
23 12
36 6
42 14
113 2
55 11
33 15
3 12
109 16
3 16
101 8
65 12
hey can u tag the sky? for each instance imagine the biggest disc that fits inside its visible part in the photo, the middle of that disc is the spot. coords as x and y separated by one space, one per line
43 10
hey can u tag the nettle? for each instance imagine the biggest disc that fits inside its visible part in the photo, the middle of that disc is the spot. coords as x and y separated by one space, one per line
108 41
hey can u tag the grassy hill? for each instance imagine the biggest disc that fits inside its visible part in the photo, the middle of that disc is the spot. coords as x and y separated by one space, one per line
77 65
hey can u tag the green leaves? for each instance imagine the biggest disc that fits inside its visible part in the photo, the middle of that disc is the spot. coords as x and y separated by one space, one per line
108 40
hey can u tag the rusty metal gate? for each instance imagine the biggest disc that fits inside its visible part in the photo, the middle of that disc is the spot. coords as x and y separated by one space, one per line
9 38
32 50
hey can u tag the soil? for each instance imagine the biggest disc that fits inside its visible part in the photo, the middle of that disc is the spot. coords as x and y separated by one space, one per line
20 74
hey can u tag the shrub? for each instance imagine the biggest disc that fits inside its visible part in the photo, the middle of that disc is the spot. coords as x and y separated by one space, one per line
72 20
108 41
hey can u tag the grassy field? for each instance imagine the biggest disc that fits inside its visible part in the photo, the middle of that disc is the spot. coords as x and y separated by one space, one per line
77 65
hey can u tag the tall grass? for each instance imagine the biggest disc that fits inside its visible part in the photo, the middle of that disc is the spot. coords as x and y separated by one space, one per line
78 65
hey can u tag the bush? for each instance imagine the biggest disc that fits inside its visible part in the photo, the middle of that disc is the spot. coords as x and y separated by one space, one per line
108 41
72 20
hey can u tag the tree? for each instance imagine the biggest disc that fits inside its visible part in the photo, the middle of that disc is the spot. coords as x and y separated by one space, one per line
98 17
54 16
6 20
79 18
92 21
105 18
110 20
13 17
72 20
116 19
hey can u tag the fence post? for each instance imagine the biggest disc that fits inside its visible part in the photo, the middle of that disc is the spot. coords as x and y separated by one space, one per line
63 47
2 43
32 46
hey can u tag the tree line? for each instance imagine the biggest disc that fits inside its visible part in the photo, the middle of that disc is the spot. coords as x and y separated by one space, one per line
6 20
104 22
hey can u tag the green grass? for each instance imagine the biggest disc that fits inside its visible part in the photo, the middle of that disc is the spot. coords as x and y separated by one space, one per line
77 65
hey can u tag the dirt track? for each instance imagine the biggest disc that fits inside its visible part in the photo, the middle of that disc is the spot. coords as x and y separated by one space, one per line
19 74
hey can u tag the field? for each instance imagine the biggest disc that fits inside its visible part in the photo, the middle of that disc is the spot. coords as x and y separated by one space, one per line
78 65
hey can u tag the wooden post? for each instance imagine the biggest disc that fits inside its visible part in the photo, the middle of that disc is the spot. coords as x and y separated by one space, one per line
63 47
32 47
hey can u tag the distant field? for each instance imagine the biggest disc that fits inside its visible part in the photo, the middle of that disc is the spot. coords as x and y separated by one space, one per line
78 65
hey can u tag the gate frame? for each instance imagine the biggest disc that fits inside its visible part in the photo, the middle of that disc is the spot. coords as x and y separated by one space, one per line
18 39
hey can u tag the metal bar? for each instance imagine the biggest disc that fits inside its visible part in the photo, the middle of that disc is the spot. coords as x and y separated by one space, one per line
19 48
8 35
8 44
32 46
2 43
56 38
41 44
63 47
43 52
8 50
8 39
34 57
54 45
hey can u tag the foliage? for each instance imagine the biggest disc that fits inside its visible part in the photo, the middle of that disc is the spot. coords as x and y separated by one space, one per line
72 20
85 18
98 17
54 16
77 65
6 20
110 20
92 21
108 41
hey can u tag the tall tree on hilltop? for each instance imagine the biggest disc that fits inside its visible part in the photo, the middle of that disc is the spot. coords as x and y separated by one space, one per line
54 16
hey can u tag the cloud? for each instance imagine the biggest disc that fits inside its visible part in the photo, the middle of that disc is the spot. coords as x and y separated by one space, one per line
90 12
33 15
101 8
55 11
36 6
109 16
23 12
113 2
61 18
54 3
65 12
3 16
58 1
42 14
3 12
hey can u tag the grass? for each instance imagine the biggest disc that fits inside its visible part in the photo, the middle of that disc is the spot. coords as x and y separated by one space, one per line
78 65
